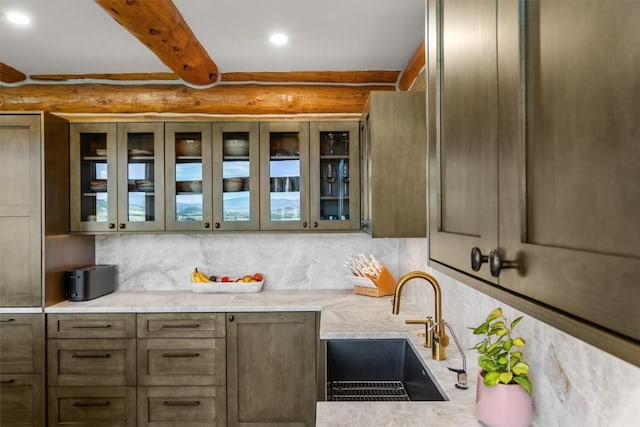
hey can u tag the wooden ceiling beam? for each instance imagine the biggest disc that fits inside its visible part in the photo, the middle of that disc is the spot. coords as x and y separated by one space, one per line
8 74
338 77
107 76
161 27
250 99
413 68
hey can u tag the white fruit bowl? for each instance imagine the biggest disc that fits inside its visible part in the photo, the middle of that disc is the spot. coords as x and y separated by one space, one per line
226 287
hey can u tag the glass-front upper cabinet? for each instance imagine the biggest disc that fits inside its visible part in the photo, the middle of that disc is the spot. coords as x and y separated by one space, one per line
284 175
93 190
116 172
236 151
334 176
188 175
140 176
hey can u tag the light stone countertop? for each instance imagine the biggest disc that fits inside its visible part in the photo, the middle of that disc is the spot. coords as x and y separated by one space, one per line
343 315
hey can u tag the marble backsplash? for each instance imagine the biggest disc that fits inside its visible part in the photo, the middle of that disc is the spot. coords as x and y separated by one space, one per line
287 260
575 384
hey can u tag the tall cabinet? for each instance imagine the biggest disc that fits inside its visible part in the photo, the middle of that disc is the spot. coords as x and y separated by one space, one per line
533 159
35 250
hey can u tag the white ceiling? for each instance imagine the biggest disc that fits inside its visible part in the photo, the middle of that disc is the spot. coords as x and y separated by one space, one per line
79 37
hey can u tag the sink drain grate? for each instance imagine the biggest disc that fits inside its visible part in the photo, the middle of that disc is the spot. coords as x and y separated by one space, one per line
381 391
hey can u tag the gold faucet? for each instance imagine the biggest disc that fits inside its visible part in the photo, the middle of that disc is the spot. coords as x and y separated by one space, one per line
435 336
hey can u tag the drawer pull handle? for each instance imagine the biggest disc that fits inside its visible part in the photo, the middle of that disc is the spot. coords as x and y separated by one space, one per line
89 404
191 326
9 381
105 326
181 355
7 320
194 403
95 356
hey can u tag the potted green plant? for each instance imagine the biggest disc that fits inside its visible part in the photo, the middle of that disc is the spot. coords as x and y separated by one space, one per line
503 393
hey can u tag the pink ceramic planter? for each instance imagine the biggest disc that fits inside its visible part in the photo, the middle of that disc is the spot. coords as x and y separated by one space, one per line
503 405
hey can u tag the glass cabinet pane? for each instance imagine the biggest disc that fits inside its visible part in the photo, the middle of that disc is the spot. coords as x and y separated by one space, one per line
284 177
94 176
141 183
236 177
140 177
334 175
189 202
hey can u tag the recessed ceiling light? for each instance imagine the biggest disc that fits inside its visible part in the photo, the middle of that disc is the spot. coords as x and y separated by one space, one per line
18 18
279 39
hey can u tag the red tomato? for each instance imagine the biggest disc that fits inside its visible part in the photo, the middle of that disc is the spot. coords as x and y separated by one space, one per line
225 279
257 277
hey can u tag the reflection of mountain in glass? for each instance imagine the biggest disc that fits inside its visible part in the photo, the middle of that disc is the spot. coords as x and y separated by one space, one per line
235 209
285 206
236 206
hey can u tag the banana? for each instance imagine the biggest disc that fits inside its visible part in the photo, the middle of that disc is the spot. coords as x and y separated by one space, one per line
198 277
204 278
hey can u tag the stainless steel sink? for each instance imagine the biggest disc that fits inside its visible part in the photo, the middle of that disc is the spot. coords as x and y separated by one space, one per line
377 370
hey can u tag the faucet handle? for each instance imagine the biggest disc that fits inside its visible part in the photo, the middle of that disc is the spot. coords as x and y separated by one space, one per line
428 322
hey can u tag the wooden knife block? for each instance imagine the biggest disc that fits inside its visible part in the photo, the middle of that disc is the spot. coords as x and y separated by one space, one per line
385 285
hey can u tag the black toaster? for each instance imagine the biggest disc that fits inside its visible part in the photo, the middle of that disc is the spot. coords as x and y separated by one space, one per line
93 281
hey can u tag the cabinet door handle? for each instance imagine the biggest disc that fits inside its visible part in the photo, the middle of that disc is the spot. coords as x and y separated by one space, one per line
89 404
188 326
216 225
496 263
9 320
91 356
304 224
104 326
477 259
122 226
231 318
9 381
192 403
112 226
181 355
315 224
207 225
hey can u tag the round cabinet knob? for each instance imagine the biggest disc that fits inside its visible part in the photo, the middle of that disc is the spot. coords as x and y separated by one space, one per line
477 259
216 225
304 224
207 225
112 226
122 226
315 224
496 263
231 318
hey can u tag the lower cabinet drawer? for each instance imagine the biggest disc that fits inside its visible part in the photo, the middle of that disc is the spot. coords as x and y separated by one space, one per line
91 362
21 400
181 362
92 406
182 406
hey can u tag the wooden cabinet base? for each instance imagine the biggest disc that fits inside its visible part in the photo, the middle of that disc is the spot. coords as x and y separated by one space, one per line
92 406
21 400
182 406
